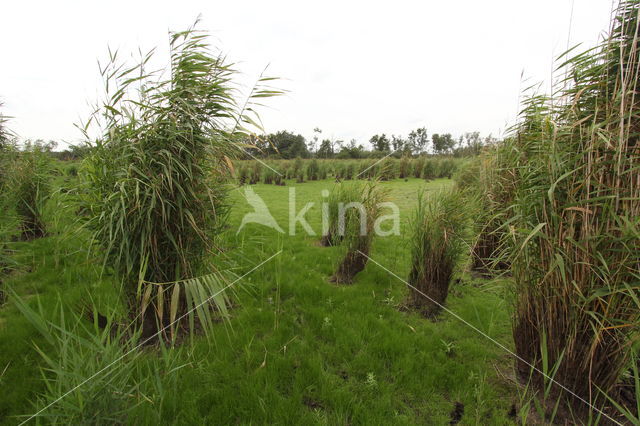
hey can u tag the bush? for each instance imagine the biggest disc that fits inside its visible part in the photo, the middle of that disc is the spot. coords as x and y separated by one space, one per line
243 174
341 195
268 175
418 166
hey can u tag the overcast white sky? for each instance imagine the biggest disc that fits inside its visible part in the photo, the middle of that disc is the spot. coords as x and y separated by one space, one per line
351 68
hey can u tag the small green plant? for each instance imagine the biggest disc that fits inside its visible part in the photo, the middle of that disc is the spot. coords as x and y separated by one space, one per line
72 170
243 175
429 169
371 380
387 169
449 347
255 173
268 175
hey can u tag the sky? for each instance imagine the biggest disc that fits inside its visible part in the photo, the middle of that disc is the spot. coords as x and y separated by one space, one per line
351 68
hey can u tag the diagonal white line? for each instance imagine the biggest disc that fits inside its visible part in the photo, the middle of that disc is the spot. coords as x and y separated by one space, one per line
259 161
374 164
148 339
235 145
500 345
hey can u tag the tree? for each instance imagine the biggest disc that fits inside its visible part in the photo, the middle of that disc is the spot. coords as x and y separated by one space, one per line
473 142
490 140
380 142
325 150
418 140
287 145
398 143
314 142
442 144
353 150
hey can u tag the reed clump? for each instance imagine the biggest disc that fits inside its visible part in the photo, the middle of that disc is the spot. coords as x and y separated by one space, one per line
158 181
573 203
356 226
439 228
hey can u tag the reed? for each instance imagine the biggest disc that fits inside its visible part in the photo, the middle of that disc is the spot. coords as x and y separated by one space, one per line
438 235
356 225
158 182
574 226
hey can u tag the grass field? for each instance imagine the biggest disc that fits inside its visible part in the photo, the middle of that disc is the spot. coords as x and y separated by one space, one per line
297 350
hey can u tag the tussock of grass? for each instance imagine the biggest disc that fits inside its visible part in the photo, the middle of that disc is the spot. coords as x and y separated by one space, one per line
27 189
437 244
157 180
356 226
565 190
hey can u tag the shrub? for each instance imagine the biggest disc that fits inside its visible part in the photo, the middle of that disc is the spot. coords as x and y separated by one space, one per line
368 170
7 159
268 175
349 170
243 174
72 171
447 167
323 171
299 170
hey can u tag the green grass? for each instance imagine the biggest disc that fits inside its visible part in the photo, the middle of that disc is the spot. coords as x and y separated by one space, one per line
297 350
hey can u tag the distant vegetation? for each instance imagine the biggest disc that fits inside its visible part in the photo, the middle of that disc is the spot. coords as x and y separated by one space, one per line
278 171
288 145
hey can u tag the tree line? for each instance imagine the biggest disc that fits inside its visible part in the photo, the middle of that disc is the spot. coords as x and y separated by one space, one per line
286 145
